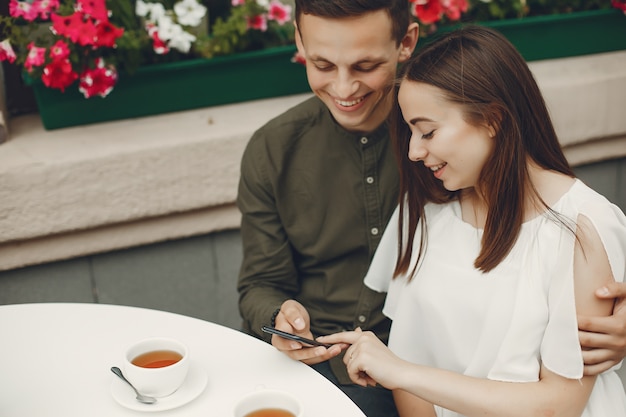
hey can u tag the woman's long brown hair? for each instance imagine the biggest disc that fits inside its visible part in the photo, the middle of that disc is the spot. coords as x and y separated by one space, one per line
478 68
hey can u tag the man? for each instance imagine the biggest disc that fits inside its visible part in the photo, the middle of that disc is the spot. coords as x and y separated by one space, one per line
318 185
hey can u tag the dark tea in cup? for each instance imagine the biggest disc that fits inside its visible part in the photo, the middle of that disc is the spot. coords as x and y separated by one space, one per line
157 359
156 366
268 403
271 412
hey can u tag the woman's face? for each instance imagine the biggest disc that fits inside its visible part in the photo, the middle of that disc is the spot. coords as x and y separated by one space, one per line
453 150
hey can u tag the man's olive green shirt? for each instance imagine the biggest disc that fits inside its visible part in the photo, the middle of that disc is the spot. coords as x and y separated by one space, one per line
315 200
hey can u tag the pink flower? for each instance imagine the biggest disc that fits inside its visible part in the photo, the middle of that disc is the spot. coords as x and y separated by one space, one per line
279 12
59 74
6 51
238 2
59 50
98 81
258 22
36 57
28 11
45 7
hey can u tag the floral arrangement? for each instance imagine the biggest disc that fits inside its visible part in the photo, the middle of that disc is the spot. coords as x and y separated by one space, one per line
432 13
92 41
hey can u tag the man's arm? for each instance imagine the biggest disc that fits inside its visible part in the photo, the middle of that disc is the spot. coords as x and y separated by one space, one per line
268 276
604 338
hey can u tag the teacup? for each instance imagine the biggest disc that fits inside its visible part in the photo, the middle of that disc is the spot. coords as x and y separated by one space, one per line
268 403
156 366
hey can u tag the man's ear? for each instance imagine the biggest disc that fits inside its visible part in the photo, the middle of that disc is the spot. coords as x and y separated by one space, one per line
298 39
408 43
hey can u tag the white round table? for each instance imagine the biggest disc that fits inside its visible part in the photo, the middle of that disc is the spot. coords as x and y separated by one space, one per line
55 360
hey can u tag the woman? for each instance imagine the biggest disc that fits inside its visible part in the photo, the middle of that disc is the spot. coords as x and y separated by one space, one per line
494 249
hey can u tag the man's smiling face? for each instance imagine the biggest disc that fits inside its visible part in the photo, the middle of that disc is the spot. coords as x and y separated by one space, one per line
351 66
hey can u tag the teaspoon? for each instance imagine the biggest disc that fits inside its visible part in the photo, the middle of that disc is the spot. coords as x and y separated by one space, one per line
140 397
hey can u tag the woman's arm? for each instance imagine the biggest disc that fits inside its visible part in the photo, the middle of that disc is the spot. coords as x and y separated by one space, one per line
412 405
368 360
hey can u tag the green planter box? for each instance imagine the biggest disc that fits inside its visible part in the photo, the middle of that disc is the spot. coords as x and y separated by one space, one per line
178 86
560 36
270 73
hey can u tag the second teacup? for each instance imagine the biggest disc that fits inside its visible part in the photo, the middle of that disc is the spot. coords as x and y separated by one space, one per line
156 366
268 403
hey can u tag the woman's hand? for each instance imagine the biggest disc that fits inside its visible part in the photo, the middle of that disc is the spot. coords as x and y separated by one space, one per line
368 360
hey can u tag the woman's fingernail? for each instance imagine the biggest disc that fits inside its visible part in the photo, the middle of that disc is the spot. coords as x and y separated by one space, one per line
604 291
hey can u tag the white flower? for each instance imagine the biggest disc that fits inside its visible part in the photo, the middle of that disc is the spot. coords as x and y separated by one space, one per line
263 3
189 12
180 39
141 9
151 11
166 28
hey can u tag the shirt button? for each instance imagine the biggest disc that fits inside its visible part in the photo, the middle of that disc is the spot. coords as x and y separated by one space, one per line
370 180
364 140
374 231
361 318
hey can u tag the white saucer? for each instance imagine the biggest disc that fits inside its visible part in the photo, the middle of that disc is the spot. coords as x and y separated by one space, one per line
193 386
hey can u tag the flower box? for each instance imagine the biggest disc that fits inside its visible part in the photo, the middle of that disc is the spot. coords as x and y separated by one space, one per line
560 36
177 86
268 73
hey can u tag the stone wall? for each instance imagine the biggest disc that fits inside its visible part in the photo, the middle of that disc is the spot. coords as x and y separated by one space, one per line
84 190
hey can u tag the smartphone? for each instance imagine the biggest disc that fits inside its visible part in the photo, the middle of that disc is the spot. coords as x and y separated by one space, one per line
292 336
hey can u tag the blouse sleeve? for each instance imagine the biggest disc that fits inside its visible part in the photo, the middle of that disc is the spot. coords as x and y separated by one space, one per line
560 349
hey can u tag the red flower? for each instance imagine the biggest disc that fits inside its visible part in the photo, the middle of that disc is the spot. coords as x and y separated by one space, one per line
63 25
107 33
59 50
257 22
96 9
429 12
59 74
85 33
298 58
455 9
98 81
79 29
619 4
158 45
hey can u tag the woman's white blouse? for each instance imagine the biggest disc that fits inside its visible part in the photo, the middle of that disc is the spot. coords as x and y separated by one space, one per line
502 324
